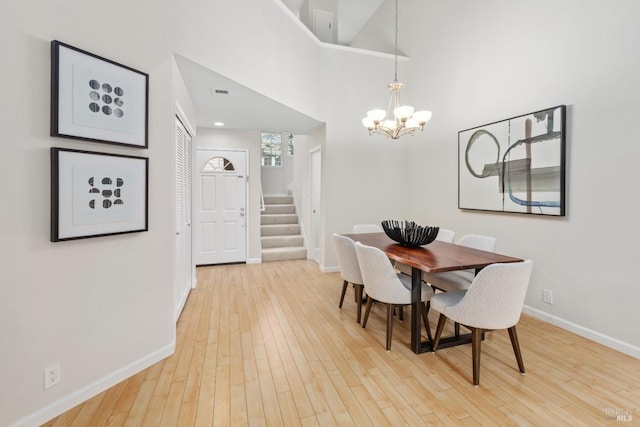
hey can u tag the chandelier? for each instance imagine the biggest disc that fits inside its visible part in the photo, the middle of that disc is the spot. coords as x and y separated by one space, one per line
404 120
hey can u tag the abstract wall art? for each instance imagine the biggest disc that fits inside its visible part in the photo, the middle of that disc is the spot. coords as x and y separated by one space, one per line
514 165
95 99
97 194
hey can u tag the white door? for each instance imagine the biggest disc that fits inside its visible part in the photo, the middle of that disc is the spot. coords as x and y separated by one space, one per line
315 203
322 25
184 271
220 206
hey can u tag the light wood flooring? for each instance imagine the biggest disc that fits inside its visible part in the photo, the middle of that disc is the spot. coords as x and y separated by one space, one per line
266 345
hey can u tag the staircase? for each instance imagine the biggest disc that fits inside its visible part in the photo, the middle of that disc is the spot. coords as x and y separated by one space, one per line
280 231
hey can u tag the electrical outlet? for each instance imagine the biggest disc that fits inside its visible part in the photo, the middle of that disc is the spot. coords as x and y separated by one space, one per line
52 375
547 296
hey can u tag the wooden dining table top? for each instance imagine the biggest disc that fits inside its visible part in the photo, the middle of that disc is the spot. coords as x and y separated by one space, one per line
436 257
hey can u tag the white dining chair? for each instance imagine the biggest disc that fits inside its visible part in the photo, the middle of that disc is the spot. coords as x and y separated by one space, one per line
446 235
384 285
366 228
493 301
349 270
461 279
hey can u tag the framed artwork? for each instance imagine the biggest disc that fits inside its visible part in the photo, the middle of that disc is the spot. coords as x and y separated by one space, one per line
95 99
97 194
514 165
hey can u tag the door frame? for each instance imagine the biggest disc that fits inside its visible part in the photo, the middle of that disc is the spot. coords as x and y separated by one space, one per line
315 241
247 210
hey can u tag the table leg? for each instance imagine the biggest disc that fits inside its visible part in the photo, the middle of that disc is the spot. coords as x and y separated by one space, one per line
416 311
417 345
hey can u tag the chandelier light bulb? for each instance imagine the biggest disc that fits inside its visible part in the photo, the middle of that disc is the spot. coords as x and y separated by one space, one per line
389 124
412 124
376 115
403 112
422 116
368 123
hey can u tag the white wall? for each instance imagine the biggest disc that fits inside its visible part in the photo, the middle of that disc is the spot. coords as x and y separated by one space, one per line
242 140
379 32
102 307
473 63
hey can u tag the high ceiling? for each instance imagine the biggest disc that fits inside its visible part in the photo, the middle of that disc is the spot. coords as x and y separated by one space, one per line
242 108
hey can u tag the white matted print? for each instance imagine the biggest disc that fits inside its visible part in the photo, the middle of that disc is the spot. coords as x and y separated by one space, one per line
95 99
97 194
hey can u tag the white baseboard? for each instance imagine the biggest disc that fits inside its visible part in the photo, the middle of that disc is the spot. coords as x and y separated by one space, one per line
254 260
598 337
56 408
332 269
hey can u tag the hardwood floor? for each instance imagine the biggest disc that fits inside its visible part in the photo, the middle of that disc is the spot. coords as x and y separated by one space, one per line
266 344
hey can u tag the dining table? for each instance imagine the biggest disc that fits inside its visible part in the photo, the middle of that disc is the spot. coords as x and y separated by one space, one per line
435 257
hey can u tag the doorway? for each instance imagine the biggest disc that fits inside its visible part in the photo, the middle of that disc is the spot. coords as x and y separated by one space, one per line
323 25
220 206
315 200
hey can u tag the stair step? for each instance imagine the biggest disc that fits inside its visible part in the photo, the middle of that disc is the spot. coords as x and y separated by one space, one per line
279 229
279 219
278 200
281 254
281 241
279 209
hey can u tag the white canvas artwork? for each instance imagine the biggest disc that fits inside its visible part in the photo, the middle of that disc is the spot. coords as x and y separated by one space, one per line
96 99
514 165
97 194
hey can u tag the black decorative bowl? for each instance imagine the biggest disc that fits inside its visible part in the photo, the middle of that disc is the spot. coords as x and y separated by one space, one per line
408 233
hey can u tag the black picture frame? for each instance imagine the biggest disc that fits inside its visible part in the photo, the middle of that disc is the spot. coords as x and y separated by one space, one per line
97 194
515 165
96 99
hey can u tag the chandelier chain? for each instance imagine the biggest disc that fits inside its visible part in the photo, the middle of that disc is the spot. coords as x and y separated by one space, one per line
396 46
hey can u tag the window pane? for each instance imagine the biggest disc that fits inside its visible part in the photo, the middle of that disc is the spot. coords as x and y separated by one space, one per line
271 151
218 164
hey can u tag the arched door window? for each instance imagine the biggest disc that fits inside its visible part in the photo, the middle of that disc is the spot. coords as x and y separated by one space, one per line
218 164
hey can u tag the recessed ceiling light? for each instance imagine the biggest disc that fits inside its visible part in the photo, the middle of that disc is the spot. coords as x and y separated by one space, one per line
218 124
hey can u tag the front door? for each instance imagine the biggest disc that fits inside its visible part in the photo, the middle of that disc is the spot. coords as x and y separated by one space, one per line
221 206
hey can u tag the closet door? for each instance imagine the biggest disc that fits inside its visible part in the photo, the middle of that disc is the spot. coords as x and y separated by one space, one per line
184 258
